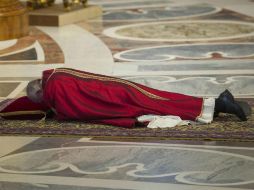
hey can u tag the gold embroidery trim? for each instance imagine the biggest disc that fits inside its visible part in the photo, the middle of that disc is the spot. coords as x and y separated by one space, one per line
17 113
102 78
50 75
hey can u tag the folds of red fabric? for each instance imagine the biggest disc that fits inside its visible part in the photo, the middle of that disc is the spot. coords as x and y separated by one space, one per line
79 95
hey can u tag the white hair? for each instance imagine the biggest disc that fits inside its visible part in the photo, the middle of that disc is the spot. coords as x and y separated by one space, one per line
34 90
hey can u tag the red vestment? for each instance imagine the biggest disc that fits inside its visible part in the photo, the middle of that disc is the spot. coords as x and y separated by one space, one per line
79 95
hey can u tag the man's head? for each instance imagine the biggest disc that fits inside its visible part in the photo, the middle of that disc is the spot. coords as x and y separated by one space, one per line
34 91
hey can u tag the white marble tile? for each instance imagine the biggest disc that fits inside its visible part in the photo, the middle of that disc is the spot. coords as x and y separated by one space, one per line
82 50
183 68
7 43
208 146
131 4
74 182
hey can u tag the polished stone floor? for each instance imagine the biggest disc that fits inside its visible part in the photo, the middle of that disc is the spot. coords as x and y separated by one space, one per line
196 47
83 163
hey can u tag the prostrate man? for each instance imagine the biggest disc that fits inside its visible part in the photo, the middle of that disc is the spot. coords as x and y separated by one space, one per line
79 95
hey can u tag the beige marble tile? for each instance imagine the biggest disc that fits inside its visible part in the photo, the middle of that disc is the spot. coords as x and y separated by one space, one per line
9 144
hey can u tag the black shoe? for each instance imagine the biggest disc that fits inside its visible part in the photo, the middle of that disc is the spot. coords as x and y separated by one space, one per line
228 95
245 107
231 106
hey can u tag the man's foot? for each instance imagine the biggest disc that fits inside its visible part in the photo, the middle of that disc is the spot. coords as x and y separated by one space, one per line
229 105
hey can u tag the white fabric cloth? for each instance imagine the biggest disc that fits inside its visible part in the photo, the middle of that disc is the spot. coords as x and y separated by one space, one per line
156 121
208 111
168 121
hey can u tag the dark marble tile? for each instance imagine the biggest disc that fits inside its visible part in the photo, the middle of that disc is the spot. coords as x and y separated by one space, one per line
22 56
7 88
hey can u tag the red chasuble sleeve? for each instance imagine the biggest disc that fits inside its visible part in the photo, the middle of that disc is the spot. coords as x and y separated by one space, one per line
79 95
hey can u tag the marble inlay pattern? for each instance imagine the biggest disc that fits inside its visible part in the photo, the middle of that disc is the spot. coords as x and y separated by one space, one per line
47 50
72 166
12 88
240 86
31 54
129 4
7 87
7 43
187 51
26 55
223 67
181 31
80 50
160 14
53 52
120 162
17 45
82 163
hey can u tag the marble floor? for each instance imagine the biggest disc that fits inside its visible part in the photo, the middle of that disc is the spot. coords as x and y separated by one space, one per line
83 163
196 47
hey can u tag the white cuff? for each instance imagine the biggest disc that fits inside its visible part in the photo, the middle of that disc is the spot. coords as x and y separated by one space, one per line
208 111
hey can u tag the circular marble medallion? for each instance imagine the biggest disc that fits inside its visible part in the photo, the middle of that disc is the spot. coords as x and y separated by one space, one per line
180 164
165 13
198 30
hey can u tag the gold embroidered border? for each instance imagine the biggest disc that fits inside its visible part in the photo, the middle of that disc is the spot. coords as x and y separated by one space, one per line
50 75
17 113
105 78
